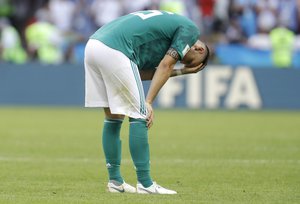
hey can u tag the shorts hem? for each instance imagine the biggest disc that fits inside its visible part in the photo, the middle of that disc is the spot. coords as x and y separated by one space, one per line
95 104
131 114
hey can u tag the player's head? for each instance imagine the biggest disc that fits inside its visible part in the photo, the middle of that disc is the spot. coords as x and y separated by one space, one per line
198 54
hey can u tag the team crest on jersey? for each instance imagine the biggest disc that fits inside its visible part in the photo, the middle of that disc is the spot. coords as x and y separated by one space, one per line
185 50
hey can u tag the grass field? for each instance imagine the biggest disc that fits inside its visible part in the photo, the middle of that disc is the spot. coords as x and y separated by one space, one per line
54 155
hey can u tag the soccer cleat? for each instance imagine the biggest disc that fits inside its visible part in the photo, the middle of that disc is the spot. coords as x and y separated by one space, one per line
116 187
153 189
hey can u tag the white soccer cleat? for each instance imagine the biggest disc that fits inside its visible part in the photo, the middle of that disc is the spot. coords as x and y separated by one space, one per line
116 187
153 189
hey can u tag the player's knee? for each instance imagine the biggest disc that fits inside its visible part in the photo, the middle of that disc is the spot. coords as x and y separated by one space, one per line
109 115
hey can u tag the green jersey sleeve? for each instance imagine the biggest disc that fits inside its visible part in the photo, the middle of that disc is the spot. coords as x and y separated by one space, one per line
183 40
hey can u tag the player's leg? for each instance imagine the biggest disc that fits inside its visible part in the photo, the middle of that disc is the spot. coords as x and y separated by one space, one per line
139 150
112 144
125 85
96 96
131 102
138 131
112 147
139 146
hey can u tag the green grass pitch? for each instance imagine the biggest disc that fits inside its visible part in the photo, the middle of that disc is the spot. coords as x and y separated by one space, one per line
54 155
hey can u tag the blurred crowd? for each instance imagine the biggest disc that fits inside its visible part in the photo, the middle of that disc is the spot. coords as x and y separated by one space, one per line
55 31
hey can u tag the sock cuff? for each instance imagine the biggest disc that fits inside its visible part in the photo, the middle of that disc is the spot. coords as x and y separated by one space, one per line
137 120
110 120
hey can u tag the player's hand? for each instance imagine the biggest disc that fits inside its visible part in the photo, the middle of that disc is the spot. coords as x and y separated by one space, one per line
192 70
150 115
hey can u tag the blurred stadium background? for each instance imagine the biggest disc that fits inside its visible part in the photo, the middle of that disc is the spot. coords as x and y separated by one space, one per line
244 149
255 61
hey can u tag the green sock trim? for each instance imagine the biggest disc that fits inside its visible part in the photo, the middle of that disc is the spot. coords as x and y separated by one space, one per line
139 150
112 147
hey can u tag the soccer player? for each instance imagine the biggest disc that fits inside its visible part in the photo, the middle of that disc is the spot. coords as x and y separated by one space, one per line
144 45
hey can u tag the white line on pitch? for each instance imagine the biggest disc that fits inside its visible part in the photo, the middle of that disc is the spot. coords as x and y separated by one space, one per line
155 160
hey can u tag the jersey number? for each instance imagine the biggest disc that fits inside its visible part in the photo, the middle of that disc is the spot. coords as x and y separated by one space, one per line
151 13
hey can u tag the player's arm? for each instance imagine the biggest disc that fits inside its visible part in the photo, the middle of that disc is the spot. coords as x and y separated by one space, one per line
148 74
186 70
161 75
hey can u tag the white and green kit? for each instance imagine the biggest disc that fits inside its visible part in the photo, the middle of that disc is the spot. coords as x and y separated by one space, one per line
113 57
